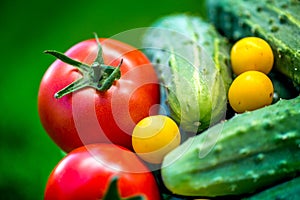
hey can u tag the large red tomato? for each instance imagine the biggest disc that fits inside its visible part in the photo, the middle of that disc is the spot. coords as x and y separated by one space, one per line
90 115
85 173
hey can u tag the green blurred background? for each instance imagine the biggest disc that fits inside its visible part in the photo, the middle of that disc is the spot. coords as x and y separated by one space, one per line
27 29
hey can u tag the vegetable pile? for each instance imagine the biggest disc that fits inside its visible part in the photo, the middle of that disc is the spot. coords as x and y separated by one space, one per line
230 87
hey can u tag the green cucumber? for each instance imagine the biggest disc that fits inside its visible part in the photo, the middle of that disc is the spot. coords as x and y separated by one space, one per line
289 190
242 155
192 61
276 21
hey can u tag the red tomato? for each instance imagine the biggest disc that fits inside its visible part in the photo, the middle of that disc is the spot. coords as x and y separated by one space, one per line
91 116
85 173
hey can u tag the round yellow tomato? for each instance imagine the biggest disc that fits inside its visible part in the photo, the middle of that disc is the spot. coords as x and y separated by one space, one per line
154 136
251 53
249 91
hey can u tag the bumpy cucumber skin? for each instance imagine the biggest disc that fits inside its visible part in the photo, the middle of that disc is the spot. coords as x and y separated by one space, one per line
194 103
250 151
276 21
289 190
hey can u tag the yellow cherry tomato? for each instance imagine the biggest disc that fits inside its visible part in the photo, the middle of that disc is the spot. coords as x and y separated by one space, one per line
154 136
249 91
251 53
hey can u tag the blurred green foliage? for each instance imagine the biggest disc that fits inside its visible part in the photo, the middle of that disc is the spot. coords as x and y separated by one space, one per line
27 29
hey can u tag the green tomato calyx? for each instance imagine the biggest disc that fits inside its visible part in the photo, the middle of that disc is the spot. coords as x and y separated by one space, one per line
113 193
98 75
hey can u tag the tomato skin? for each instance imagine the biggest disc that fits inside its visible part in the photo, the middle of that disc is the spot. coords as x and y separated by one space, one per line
155 136
89 116
251 53
249 91
85 173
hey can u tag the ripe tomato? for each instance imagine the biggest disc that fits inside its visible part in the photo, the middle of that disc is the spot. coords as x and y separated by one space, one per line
154 136
251 53
249 91
89 115
85 173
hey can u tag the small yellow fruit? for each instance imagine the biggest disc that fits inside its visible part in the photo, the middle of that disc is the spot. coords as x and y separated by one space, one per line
154 136
249 91
251 53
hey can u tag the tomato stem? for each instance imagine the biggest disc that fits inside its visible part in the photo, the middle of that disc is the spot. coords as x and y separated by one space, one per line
67 59
76 85
98 75
113 193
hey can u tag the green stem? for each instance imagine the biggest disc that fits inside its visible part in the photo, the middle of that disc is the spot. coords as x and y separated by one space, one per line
99 58
107 83
76 85
67 59
113 193
97 72
98 75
